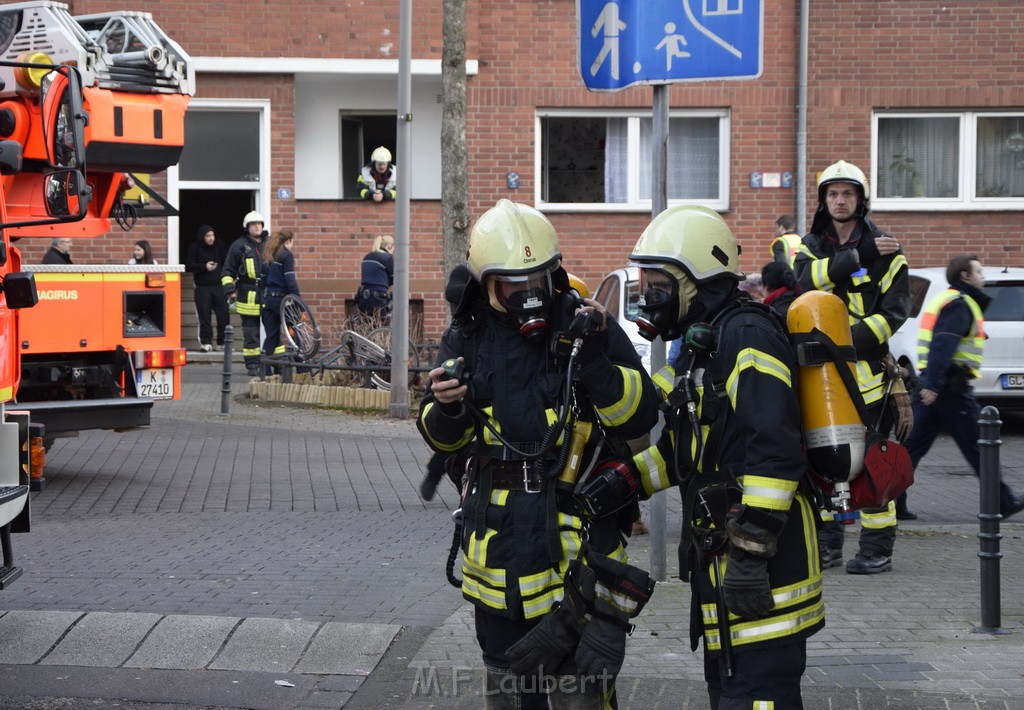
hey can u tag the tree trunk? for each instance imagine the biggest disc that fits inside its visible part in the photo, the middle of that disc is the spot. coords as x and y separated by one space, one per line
454 166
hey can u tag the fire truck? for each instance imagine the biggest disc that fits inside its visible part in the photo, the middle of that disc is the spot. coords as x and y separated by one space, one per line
51 144
104 341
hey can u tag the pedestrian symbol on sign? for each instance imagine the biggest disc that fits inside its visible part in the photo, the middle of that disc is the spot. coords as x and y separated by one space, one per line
627 42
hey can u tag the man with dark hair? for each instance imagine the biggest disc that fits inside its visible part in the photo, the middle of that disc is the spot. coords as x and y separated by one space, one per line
847 255
786 241
950 341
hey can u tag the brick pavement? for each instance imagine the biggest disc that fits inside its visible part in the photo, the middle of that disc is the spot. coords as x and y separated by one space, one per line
299 514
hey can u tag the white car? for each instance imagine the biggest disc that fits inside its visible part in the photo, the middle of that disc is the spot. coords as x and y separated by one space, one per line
1002 366
619 293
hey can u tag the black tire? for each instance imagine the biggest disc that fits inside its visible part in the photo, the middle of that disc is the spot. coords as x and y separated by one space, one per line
298 327
382 337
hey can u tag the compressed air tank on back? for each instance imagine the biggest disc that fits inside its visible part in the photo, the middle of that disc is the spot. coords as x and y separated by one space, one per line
834 434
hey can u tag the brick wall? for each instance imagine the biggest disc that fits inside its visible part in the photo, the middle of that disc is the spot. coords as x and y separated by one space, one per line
863 56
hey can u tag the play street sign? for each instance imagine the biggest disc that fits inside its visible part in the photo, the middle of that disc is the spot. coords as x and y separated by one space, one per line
627 42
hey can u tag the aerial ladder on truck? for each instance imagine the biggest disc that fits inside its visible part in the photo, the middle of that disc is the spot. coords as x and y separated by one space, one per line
119 347
58 144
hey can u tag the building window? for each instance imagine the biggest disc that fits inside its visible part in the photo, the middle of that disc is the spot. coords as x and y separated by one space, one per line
955 161
589 160
361 133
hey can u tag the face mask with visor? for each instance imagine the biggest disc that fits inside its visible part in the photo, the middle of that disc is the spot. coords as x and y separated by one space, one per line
527 298
659 304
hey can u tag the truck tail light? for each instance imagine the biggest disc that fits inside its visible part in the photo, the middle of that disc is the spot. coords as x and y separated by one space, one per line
37 452
146 359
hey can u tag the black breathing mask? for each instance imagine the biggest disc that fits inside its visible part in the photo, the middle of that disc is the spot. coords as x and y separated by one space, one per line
659 305
527 300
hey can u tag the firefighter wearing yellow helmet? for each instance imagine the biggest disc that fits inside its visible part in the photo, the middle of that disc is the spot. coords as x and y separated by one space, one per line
846 254
243 271
379 177
529 387
739 463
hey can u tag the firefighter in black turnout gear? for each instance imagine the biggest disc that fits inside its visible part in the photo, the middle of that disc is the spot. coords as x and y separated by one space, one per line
847 255
534 398
242 278
732 443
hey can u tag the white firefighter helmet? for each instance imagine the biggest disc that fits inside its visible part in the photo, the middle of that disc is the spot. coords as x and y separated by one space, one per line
512 239
843 172
253 216
381 155
693 238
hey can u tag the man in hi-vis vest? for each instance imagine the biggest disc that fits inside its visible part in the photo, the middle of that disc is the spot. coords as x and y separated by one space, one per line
949 349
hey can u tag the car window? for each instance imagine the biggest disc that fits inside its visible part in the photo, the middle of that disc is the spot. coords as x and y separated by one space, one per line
1007 302
918 290
608 295
632 300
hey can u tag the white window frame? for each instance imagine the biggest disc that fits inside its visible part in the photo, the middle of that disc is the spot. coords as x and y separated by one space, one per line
261 188
966 180
634 203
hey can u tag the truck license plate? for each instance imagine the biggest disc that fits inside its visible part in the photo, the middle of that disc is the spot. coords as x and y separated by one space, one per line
1013 382
157 383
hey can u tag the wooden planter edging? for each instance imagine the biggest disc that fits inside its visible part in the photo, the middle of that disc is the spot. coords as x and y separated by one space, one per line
273 390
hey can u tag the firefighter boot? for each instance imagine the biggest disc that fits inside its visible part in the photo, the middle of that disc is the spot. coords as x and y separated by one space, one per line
869 562
831 557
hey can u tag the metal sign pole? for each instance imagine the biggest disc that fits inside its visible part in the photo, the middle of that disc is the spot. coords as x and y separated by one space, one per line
399 407
659 201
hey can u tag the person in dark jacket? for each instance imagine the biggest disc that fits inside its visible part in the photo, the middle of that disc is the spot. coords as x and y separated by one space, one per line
204 259
531 556
739 479
377 275
780 287
280 282
58 252
847 255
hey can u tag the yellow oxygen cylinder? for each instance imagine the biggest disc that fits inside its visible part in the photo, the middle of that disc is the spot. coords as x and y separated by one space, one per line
834 435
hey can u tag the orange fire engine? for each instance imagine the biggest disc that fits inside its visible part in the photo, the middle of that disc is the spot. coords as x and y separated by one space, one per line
62 197
104 341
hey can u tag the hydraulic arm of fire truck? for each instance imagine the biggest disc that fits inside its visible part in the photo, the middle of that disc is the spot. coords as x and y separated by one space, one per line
137 83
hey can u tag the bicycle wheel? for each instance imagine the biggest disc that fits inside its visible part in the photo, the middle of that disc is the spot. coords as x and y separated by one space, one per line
382 338
358 351
298 326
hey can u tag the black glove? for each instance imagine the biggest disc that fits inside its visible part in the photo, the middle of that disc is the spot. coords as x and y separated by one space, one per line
555 637
602 647
867 250
748 592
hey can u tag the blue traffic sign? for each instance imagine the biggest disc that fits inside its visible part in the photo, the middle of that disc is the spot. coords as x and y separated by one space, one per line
627 42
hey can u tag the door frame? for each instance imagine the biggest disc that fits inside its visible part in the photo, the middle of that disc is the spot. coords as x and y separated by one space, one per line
261 188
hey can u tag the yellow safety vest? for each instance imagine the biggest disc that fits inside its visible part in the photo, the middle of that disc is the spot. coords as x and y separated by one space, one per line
792 243
969 349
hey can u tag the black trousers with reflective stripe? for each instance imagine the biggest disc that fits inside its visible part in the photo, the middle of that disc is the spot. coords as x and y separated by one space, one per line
766 674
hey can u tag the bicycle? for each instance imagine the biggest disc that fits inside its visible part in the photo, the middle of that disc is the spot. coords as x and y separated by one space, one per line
374 350
299 328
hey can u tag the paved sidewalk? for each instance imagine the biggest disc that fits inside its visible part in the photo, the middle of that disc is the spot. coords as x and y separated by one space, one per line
211 556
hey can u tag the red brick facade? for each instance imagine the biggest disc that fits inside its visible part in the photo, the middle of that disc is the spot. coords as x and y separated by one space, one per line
890 54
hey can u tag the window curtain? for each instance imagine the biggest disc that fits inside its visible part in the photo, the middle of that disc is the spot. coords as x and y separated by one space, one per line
919 157
692 158
1000 157
616 160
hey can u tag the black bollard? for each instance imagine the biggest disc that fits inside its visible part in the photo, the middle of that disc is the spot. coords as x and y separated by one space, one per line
989 517
225 387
